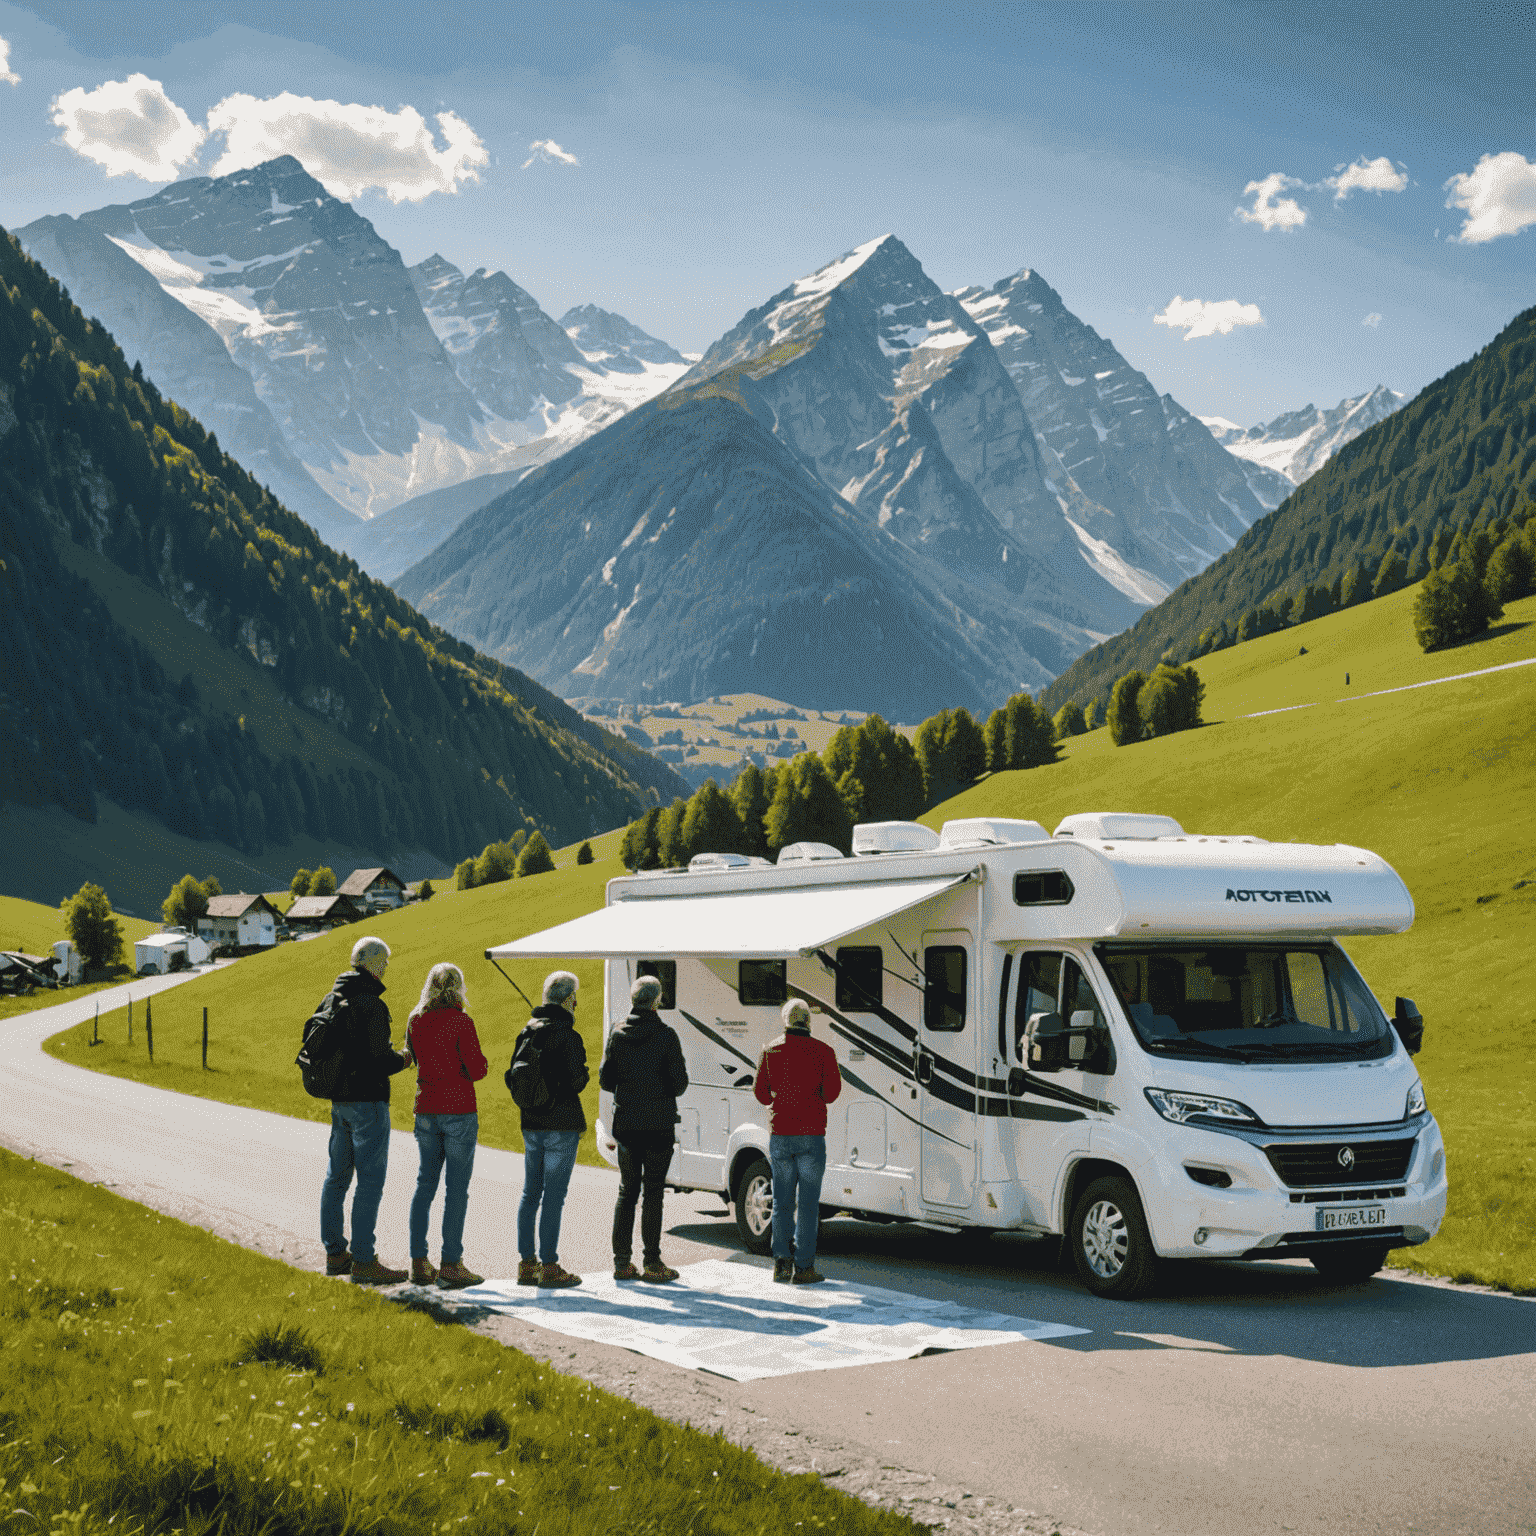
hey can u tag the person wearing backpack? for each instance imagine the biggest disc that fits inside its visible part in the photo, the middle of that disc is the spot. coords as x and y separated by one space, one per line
547 1074
643 1069
449 1062
360 1118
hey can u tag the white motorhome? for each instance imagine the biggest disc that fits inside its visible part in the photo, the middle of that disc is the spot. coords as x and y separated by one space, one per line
1145 1039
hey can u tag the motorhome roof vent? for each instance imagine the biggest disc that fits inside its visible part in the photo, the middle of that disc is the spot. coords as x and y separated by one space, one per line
1118 824
703 862
979 831
893 837
807 853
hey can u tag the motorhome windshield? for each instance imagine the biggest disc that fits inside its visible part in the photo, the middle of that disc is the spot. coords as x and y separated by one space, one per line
1246 1002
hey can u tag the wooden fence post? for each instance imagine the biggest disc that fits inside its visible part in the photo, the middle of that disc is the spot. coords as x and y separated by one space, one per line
205 1039
130 1018
96 1026
149 1028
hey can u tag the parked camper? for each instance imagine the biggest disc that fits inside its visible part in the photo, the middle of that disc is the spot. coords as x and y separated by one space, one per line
160 953
1148 1040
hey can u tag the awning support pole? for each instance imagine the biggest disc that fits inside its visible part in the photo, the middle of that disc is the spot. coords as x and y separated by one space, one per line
512 983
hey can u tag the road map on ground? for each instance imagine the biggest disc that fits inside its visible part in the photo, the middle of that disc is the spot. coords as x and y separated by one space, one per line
734 1321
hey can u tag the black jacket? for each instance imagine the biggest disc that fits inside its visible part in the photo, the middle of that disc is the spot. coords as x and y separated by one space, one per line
643 1069
563 1058
371 1059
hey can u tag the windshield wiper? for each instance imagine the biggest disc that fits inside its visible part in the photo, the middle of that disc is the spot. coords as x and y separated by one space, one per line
1189 1043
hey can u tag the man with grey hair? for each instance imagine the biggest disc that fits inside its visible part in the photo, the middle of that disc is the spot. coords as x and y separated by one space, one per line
551 1132
643 1069
798 1077
360 1117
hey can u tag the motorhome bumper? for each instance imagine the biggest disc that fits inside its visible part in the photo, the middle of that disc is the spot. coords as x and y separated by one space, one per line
1212 1194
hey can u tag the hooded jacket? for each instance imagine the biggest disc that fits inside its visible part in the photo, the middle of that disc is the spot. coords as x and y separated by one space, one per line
798 1076
644 1071
563 1058
371 1059
449 1061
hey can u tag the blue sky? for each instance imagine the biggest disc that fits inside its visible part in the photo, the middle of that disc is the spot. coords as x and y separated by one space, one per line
1283 170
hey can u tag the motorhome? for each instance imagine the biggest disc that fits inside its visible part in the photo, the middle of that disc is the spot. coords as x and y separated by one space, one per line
1146 1040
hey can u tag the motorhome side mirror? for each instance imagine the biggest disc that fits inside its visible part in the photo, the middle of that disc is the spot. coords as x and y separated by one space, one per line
1045 1043
1409 1024
1018 1081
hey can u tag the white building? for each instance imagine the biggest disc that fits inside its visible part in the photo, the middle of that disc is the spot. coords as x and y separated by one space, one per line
241 921
159 950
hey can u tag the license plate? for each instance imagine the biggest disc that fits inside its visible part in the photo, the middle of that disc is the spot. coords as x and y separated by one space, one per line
1351 1218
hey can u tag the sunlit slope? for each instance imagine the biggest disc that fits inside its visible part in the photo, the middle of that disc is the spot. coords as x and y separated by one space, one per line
1440 781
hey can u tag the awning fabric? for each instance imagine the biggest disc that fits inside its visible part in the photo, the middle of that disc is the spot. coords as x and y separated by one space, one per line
771 924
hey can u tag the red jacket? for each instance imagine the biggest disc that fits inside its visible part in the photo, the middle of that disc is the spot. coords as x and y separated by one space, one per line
798 1076
449 1061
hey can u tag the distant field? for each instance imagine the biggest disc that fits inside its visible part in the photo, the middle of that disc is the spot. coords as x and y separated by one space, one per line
257 1007
33 928
1439 780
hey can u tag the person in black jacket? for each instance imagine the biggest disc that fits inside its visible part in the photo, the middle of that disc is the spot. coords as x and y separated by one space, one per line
643 1069
551 1133
360 1119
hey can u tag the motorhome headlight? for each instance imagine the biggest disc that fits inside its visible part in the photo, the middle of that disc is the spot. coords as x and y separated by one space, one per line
1183 1107
1415 1104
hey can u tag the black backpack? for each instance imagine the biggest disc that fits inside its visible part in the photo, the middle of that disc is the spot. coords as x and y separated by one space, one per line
323 1057
525 1077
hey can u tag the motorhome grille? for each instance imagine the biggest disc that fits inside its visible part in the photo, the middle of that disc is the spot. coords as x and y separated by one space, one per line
1328 1196
1306 1165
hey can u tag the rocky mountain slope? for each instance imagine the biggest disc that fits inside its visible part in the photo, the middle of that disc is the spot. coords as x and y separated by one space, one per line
1298 444
1175 499
383 732
1464 448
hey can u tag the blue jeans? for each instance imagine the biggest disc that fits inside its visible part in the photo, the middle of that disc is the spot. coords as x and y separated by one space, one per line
548 1157
359 1144
798 1163
443 1139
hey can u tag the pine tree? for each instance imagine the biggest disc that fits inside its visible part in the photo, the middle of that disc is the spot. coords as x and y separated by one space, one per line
1125 723
584 854
424 891
750 796
535 859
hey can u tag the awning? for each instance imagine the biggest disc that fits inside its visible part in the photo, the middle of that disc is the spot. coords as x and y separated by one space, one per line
770 924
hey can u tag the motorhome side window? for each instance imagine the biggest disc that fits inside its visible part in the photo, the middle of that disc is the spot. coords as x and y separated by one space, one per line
860 977
665 971
1039 984
761 982
944 987
1042 888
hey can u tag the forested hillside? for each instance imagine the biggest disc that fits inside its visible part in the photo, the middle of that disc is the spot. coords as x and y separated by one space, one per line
1463 451
444 748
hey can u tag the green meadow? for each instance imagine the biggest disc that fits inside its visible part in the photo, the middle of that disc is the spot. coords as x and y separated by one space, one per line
160 1379
32 928
1439 780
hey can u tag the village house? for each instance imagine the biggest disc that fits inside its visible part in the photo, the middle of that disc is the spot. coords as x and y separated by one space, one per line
374 890
239 922
312 913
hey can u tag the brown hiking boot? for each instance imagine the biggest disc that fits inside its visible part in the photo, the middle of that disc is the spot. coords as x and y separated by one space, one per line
339 1263
375 1272
552 1277
454 1277
807 1277
783 1270
422 1272
658 1274
625 1270
528 1271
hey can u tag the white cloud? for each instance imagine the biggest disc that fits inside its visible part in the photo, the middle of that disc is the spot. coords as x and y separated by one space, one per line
7 74
1270 209
349 148
1499 197
130 127
1372 320
1201 317
548 150
1378 175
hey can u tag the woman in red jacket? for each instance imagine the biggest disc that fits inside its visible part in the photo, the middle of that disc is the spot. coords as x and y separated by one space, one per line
449 1062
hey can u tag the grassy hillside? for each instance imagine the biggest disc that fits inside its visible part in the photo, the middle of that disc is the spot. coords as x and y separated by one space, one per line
1439 780
32 927
1463 449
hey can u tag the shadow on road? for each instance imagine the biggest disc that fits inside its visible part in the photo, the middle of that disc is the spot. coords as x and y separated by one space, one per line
1285 1308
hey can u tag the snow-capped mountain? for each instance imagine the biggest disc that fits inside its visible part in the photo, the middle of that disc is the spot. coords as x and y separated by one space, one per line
894 396
375 400
1299 443
1174 499
610 341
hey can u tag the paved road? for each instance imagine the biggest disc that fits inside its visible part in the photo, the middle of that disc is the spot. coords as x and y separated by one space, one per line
1242 1399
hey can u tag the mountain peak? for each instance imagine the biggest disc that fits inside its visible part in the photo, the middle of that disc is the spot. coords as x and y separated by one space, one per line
835 273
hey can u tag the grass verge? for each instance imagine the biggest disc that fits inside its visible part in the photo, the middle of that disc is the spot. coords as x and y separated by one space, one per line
159 1379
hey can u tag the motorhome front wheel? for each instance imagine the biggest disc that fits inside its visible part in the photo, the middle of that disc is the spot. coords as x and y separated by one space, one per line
1110 1243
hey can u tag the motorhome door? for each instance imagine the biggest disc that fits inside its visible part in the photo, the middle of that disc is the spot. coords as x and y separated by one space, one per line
946 1056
